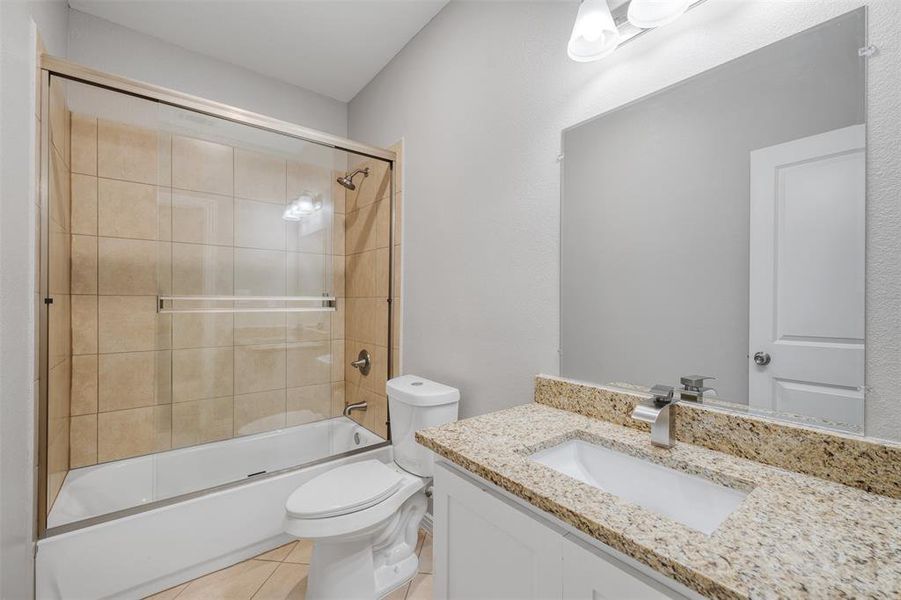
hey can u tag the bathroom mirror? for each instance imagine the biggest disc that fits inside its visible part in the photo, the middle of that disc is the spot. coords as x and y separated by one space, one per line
717 228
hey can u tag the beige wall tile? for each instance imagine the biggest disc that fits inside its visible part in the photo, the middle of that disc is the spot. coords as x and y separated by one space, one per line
259 272
311 234
339 276
133 432
367 320
202 330
84 264
372 188
130 267
308 404
84 204
339 359
128 210
259 368
200 421
383 223
308 363
59 260
307 177
339 194
84 384
127 152
261 411
202 218
337 407
308 326
260 328
382 274
338 234
58 390
202 166
127 380
60 189
376 416
398 217
308 274
82 441
131 324
57 454
165 154
362 229
259 225
202 270
260 176
84 324
199 373
337 319
378 374
84 144
59 116
361 275
59 345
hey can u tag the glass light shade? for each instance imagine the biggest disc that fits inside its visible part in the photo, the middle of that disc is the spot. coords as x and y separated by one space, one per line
648 14
594 34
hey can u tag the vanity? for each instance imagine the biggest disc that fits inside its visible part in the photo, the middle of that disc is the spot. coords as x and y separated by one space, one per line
567 498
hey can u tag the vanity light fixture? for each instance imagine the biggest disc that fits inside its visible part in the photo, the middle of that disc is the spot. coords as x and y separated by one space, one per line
594 35
305 204
648 14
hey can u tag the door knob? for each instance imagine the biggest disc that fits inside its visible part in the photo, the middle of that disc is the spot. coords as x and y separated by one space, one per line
363 362
761 358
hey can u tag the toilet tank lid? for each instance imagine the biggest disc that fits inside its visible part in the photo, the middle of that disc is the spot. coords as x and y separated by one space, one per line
419 391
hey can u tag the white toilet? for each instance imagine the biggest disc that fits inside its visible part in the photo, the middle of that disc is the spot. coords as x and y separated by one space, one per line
364 517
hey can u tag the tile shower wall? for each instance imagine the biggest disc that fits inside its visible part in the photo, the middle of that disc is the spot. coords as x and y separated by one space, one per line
59 352
367 242
154 213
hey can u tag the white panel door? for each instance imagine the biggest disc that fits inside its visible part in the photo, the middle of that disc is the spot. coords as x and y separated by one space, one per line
807 259
486 549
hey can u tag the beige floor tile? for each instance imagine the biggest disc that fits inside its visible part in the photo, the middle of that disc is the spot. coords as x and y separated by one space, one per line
239 582
425 556
279 554
288 582
420 588
398 594
168 594
301 552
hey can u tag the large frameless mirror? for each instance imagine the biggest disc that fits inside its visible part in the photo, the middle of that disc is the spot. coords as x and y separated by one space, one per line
713 234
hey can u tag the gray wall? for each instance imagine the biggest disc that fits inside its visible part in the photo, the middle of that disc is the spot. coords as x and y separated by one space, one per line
115 49
655 232
19 22
480 97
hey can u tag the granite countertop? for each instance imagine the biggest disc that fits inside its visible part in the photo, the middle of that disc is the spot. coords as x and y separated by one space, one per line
794 535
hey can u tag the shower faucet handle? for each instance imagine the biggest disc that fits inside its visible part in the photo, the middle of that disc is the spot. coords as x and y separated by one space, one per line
363 362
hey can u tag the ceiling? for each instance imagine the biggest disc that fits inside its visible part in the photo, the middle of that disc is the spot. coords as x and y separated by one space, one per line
331 47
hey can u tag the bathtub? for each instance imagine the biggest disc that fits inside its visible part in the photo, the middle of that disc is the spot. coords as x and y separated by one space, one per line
142 548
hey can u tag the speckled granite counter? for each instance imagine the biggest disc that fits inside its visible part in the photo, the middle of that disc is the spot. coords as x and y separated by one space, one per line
794 536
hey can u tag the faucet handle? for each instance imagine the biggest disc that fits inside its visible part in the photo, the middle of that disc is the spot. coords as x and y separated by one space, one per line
663 394
694 381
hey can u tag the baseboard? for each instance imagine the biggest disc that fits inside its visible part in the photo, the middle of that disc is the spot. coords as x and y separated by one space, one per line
426 523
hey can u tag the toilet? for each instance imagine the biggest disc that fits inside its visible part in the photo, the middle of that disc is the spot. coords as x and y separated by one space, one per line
363 517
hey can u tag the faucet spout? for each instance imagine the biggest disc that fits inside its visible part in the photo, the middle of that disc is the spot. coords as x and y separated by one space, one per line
657 413
355 406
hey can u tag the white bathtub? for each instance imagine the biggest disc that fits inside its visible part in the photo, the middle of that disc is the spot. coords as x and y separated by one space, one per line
139 554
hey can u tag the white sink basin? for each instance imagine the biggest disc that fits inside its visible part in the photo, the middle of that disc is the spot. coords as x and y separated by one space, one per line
688 499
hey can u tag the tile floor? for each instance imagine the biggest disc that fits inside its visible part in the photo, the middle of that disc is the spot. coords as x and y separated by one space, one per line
281 574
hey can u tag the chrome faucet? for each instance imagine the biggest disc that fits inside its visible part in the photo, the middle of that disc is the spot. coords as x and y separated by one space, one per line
693 387
656 412
355 406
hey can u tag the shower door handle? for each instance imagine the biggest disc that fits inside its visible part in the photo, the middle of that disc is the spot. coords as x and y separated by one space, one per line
363 362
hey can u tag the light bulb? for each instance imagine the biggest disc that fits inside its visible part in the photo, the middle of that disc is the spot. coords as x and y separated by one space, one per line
594 34
647 14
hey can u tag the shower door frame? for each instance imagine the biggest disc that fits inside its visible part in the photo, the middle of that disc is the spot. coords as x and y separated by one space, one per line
53 66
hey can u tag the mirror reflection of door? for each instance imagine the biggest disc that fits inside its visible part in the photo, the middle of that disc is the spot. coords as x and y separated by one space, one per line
807 262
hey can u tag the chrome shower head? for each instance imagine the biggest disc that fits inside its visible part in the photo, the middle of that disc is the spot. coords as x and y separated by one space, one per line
348 180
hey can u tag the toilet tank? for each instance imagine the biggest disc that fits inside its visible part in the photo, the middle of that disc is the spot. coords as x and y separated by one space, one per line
416 403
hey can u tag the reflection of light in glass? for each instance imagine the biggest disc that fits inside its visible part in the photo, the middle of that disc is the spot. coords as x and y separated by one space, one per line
306 204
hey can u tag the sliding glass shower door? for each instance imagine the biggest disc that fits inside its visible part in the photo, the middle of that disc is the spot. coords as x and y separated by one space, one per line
210 283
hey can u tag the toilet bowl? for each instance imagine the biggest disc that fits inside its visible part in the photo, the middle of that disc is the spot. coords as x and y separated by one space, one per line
364 517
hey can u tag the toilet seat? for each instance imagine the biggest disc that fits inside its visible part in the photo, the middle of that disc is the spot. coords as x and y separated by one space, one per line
347 489
303 522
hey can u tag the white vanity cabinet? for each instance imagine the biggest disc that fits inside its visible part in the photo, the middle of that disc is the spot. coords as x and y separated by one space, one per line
487 546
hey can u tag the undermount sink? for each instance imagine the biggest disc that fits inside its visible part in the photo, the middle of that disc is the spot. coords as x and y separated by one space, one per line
691 500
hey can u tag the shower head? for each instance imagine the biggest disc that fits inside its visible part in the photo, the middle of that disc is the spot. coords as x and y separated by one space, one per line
348 180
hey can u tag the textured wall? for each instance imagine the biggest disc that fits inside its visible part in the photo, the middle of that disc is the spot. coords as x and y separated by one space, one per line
480 97
115 49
